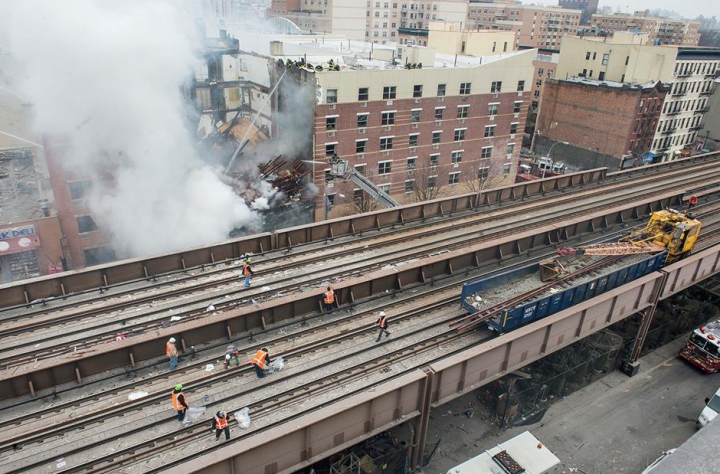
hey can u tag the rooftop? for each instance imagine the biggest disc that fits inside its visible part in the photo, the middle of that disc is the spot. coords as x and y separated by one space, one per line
609 84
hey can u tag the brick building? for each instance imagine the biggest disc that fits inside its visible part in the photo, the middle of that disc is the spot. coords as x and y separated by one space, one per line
659 30
446 127
608 119
588 7
535 26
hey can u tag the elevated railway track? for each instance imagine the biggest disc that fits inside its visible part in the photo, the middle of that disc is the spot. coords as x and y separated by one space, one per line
337 387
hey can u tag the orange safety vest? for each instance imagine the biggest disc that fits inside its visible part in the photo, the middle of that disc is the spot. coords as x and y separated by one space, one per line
221 423
169 349
259 359
246 269
693 200
329 297
382 321
176 402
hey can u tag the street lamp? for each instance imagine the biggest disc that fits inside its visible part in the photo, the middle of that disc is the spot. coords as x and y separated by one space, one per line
548 155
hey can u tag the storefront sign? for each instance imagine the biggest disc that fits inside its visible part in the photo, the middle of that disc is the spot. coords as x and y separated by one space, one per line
18 239
17 232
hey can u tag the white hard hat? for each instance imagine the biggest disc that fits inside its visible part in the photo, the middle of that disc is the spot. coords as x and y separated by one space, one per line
227 356
382 313
172 339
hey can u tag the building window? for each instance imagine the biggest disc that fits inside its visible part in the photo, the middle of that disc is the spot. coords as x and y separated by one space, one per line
362 120
436 136
454 177
331 96
434 159
456 157
432 181
484 173
496 86
493 108
513 127
594 55
441 90
538 83
601 76
386 143
415 115
86 224
465 88
413 141
587 56
331 123
536 94
409 185
489 131
460 134
330 149
605 59
388 118
506 169
486 152
517 106
521 86
361 145
389 92
462 111
363 94
510 148
417 90
78 189
411 163
98 255
384 167
439 113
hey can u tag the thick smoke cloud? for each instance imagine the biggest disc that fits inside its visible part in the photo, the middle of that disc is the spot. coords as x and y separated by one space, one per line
105 79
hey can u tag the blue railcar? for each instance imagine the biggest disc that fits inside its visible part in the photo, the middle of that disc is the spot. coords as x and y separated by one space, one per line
544 306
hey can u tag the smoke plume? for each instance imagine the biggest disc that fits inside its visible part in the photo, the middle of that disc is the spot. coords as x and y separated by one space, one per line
105 79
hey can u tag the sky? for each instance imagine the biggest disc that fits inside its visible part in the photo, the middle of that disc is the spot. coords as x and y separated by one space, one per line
686 8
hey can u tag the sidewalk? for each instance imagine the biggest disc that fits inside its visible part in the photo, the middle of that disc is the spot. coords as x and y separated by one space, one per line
615 425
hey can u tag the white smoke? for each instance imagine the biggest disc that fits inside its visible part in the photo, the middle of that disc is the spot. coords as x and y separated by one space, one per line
106 78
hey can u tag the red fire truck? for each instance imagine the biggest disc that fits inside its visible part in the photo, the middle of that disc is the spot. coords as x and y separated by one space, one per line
703 348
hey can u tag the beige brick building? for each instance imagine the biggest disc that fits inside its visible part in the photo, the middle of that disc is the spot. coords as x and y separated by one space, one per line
662 31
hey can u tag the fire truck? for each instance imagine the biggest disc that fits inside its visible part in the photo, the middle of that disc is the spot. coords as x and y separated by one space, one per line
703 348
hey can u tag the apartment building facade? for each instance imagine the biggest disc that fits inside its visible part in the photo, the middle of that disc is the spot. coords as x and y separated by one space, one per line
664 31
535 26
588 7
422 128
627 58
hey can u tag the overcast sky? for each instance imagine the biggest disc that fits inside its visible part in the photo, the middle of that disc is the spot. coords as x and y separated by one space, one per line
686 8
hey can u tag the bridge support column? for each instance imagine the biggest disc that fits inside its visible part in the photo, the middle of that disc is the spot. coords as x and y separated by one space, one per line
422 423
631 366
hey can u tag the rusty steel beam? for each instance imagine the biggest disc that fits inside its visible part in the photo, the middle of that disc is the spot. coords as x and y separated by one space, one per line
17 381
96 277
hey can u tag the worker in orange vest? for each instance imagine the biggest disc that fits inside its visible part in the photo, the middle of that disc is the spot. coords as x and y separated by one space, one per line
260 361
220 423
692 202
382 323
329 299
178 401
172 352
247 272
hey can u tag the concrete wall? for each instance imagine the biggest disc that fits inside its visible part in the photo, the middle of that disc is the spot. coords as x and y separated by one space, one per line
575 157
446 39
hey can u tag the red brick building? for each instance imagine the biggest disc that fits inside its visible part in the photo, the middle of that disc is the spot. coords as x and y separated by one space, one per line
609 118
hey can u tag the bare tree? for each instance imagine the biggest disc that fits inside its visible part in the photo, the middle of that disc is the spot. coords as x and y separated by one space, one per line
429 180
487 173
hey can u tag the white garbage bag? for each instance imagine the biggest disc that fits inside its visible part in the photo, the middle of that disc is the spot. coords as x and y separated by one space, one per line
275 366
192 414
243 418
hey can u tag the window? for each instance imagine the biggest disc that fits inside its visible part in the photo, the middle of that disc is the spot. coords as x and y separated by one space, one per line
432 181
493 108
594 55
484 172
506 169
541 71
441 90
331 96
331 123
386 143
78 189
489 131
465 88
361 145
510 148
384 167
417 90
388 118
538 83
411 163
601 76
86 224
486 152
358 195
496 87
415 117
536 94
454 178
605 59
413 141
513 127
98 255
462 111
389 92
517 106
363 94
362 120
409 185
460 134
434 159
331 149
457 157
627 60
436 136
521 86
439 113
587 56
